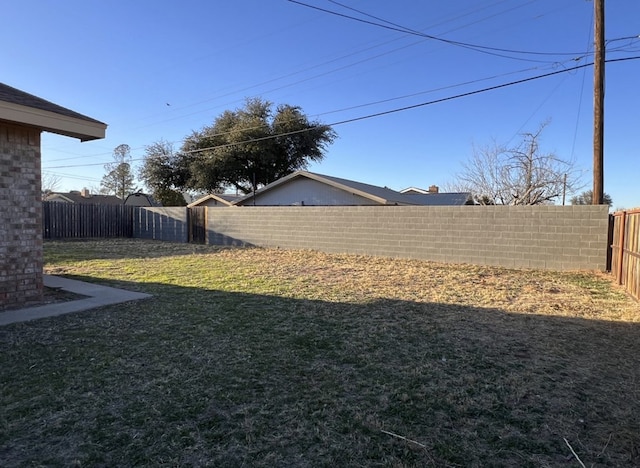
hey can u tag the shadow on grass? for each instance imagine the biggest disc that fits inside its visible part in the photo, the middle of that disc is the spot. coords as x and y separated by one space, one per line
73 250
197 377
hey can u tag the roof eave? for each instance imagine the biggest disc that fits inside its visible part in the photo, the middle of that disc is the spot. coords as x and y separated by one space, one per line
209 197
59 195
84 130
317 178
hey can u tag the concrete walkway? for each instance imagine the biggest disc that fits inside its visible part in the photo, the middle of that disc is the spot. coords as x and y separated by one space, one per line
98 296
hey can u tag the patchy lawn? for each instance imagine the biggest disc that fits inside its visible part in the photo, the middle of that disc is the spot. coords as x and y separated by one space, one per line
262 357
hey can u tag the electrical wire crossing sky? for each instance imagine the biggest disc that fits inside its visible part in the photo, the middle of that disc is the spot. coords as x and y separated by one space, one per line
411 88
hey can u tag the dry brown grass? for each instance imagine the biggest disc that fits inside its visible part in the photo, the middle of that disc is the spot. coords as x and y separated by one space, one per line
362 278
293 358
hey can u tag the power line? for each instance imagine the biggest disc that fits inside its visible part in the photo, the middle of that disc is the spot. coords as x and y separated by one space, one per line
467 94
298 72
388 112
398 28
314 67
584 76
70 176
382 101
272 80
348 108
329 72
423 104
442 88
320 114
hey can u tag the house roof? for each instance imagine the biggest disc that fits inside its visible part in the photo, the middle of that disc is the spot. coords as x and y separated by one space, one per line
141 199
20 107
439 199
76 197
414 190
222 198
381 195
385 194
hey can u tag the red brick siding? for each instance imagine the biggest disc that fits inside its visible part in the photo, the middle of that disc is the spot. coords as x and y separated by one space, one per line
20 216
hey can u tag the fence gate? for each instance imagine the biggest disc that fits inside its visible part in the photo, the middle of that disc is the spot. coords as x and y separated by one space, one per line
625 250
197 225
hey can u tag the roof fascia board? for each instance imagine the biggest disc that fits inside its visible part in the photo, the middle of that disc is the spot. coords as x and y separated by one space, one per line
59 195
84 130
209 197
317 178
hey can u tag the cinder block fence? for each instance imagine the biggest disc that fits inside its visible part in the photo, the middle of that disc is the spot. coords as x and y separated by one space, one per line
550 237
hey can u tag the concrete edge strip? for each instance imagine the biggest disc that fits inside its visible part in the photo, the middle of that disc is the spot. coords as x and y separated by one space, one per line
97 296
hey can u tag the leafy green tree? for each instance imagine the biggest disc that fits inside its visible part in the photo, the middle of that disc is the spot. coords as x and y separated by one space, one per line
159 175
586 198
249 148
119 179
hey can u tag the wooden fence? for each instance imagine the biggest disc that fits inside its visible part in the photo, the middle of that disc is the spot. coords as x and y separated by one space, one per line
70 220
625 250
197 220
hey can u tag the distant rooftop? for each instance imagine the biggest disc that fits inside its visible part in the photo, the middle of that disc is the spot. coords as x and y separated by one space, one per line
83 197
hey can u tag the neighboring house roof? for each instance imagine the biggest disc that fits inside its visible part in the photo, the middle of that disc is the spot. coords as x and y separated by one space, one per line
361 193
386 195
87 199
19 107
141 199
375 194
222 199
439 199
414 190
230 197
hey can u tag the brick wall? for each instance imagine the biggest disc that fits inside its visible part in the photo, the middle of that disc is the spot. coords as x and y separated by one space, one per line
550 237
20 216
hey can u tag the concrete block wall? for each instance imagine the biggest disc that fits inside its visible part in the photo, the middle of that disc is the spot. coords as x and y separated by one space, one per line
166 224
548 237
20 216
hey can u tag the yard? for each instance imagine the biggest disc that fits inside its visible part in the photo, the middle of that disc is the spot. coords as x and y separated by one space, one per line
265 357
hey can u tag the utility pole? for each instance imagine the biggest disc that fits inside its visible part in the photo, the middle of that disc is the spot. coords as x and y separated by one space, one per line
598 104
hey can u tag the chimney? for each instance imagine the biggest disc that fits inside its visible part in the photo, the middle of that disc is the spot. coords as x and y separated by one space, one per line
434 189
85 193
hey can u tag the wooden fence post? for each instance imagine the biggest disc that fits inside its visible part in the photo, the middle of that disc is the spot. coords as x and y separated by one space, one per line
623 221
610 242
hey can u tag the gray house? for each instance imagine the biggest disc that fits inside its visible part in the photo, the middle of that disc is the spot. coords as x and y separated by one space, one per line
303 188
23 118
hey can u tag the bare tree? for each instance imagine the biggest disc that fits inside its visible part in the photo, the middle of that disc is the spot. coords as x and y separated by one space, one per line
522 175
50 183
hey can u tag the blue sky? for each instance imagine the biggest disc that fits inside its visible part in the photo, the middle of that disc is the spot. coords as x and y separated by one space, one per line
159 70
